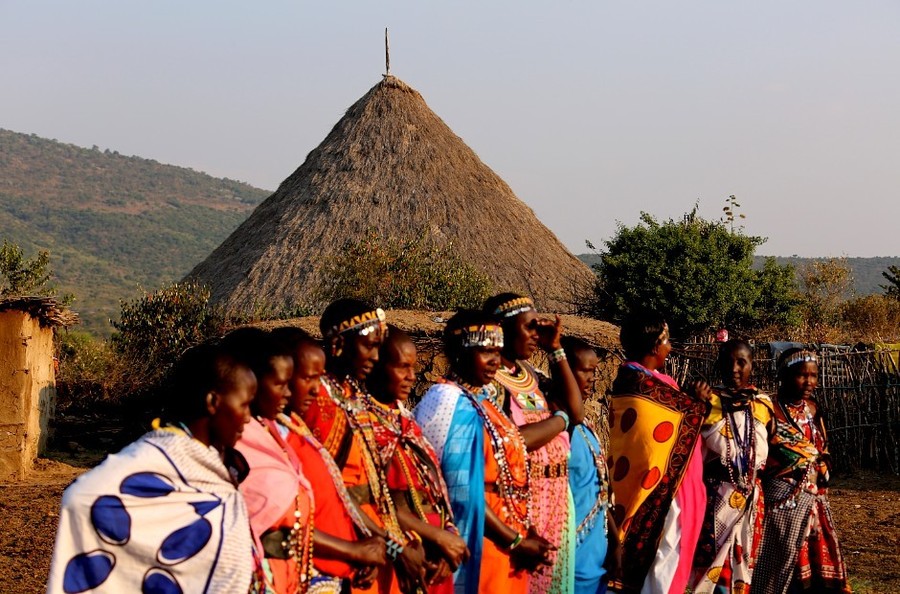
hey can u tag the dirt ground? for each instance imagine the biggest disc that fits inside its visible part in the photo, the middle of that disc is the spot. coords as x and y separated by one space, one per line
866 508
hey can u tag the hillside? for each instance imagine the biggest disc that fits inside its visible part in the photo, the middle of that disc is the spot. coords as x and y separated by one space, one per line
866 272
113 224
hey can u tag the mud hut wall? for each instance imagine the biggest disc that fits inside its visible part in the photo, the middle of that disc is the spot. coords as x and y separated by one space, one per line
858 394
27 392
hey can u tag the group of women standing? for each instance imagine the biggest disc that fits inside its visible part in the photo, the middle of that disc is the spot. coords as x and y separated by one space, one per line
283 464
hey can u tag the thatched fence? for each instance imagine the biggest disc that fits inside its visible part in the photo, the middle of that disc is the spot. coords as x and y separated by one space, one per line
859 394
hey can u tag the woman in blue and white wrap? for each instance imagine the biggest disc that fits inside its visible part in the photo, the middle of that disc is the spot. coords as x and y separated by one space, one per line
165 513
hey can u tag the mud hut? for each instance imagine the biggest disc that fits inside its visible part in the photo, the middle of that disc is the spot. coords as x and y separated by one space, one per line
391 166
27 379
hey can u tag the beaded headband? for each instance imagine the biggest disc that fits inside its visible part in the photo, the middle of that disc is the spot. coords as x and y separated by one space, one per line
363 324
483 335
514 307
800 357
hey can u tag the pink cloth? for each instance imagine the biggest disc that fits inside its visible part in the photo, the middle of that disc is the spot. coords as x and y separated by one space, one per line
691 498
270 488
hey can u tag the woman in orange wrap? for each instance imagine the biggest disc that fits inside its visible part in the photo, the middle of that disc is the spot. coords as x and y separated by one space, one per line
484 461
341 422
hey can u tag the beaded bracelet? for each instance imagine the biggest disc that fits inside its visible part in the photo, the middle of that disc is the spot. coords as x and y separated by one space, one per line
393 548
557 355
412 535
562 415
516 541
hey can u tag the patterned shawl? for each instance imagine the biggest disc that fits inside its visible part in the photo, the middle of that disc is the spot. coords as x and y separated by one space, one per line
653 431
164 514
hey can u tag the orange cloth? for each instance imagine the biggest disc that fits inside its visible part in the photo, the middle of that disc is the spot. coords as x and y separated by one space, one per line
330 515
497 574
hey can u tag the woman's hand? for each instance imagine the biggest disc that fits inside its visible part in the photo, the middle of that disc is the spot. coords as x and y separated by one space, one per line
533 552
700 389
453 548
411 567
370 551
365 577
549 333
437 571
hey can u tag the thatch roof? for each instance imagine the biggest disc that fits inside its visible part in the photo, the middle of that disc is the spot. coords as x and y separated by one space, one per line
46 310
392 166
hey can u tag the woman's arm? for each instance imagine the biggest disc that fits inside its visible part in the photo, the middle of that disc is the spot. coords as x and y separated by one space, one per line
537 435
565 392
366 552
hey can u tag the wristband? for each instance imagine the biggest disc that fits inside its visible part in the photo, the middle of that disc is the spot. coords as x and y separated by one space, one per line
562 415
516 541
393 548
557 355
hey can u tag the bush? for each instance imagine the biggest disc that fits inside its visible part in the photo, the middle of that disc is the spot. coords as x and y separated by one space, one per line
404 274
156 328
873 318
89 370
697 273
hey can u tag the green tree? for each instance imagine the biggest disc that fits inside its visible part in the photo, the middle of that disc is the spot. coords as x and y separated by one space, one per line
698 273
404 274
23 276
892 275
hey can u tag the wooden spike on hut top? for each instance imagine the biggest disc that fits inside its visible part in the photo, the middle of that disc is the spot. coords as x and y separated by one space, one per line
391 166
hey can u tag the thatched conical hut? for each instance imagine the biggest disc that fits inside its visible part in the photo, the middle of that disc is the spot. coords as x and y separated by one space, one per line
392 166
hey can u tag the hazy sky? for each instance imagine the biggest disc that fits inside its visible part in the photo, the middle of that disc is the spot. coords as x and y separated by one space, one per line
591 111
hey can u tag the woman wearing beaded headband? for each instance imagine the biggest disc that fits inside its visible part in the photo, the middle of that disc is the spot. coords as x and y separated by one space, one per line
484 461
344 547
412 468
800 550
656 466
589 480
537 403
735 438
279 498
341 421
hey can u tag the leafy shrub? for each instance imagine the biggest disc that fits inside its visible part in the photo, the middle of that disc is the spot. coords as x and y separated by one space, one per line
699 274
156 328
873 318
404 274
89 370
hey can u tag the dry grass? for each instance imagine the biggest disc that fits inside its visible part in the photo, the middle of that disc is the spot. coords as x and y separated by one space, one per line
392 166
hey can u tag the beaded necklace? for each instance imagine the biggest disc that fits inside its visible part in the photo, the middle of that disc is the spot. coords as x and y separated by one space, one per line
431 483
790 502
512 495
602 502
361 423
744 464
296 424
299 542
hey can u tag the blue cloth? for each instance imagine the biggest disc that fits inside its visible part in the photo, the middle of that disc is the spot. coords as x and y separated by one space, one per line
461 449
591 543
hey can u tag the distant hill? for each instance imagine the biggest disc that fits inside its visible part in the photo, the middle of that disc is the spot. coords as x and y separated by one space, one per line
866 271
113 224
